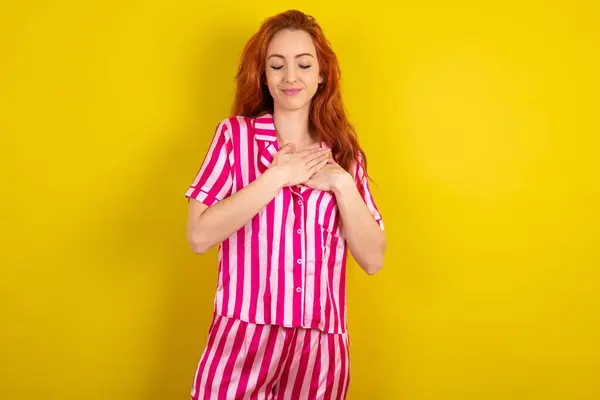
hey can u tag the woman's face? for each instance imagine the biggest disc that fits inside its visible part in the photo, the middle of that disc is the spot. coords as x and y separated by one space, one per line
292 69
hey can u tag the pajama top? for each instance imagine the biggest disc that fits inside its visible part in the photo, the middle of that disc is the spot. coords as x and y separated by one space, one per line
287 265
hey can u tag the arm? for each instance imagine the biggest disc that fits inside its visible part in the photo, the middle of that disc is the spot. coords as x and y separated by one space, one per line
361 221
208 226
364 235
215 214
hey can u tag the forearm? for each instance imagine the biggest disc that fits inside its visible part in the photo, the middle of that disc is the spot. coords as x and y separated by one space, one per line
366 240
227 216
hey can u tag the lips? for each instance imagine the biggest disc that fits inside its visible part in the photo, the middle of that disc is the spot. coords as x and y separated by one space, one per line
291 92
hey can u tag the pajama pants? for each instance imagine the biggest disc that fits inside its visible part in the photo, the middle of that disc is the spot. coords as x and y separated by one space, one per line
250 361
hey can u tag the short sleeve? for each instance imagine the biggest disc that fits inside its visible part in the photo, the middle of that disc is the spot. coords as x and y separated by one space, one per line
362 183
214 181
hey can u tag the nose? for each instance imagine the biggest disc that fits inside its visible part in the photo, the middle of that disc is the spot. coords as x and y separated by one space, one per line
290 75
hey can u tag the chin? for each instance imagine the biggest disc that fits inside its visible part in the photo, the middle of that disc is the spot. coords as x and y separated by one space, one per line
293 105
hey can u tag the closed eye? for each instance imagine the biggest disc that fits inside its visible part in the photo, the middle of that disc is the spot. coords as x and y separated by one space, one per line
304 66
276 68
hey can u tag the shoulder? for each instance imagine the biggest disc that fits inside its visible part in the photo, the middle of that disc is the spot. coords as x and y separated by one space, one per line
357 168
235 125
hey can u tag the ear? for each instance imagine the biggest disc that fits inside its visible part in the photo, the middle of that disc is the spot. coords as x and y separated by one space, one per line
320 79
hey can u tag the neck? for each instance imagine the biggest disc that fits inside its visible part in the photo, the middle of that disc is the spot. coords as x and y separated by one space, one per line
292 126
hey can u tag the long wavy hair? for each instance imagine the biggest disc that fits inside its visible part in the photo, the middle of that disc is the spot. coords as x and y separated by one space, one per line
328 118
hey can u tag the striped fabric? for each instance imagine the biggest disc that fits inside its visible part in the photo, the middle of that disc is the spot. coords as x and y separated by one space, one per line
286 266
250 361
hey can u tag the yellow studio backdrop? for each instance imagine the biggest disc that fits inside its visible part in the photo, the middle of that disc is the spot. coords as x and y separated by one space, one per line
481 126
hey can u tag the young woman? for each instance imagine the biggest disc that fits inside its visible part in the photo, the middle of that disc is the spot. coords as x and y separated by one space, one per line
283 191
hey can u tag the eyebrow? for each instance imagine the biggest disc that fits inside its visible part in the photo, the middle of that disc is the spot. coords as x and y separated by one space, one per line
297 56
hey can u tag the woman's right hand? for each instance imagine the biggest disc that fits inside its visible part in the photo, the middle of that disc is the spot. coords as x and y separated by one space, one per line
297 167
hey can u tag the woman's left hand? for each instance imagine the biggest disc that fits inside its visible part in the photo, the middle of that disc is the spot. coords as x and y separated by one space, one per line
328 178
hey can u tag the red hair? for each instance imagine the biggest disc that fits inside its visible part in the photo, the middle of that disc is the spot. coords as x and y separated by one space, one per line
328 118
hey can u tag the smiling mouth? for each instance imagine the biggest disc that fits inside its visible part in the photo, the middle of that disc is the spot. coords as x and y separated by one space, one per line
291 92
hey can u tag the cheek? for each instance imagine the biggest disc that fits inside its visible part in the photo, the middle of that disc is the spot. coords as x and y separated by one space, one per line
273 79
312 82
312 78
270 82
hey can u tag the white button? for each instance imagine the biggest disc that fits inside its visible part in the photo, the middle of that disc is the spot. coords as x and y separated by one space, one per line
299 261
300 202
299 231
298 289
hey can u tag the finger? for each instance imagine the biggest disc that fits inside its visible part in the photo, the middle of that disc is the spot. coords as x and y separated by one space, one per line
287 148
310 153
317 156
317 167
316 160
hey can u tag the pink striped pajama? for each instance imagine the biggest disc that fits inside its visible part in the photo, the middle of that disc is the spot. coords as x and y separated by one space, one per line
280 304
256 361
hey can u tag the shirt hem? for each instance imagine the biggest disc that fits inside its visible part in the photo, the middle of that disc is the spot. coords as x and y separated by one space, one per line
284 325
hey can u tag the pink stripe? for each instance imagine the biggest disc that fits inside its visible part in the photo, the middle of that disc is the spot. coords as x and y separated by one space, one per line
255 275
209 384
315 379
212 156
303 364
214 327
344 375
289 345
240 235
249 361
332 256
288 365
332 366
270 220
207 351
225 279
331 261
241 252
238 344
279 318
266 362
318 266
342 293
297 268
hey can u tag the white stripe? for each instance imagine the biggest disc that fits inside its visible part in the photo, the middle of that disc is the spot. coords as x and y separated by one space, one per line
258 361
210 357
345 383
264 137
227 350
339 253
262 253
277 227
239 362
324 342
243 137
219 295
293 367
312 360
337 365
216 172
209 153
232 268
264 125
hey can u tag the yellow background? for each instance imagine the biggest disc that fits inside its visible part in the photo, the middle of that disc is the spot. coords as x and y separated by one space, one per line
481 124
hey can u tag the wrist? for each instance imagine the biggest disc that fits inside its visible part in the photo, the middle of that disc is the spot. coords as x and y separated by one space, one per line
275 177
343 183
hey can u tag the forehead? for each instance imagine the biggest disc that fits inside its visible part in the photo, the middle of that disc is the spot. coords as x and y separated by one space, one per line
289 42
